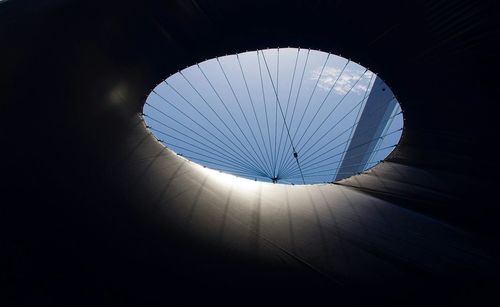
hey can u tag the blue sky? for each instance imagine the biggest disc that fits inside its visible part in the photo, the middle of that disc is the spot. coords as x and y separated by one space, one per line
229 113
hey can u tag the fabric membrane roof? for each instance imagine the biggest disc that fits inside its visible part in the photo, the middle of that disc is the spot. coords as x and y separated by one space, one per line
96 210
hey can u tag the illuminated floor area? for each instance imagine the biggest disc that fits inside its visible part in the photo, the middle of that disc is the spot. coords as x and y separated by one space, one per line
285 115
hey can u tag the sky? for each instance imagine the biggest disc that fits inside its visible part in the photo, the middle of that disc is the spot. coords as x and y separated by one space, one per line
247 114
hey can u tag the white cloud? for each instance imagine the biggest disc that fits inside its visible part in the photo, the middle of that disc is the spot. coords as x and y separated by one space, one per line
345 81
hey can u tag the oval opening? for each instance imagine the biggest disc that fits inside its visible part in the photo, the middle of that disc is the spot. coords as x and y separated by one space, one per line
283 115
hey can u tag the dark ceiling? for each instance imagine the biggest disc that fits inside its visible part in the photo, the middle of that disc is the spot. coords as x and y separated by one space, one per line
74 77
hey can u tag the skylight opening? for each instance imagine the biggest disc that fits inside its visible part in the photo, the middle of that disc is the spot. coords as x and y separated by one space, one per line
284 115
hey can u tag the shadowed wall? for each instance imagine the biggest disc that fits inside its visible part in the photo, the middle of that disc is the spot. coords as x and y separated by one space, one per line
96 210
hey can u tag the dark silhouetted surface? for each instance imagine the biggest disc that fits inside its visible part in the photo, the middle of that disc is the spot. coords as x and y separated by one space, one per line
95 211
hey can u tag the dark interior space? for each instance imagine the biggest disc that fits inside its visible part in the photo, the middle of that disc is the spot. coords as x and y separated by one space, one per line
95 211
